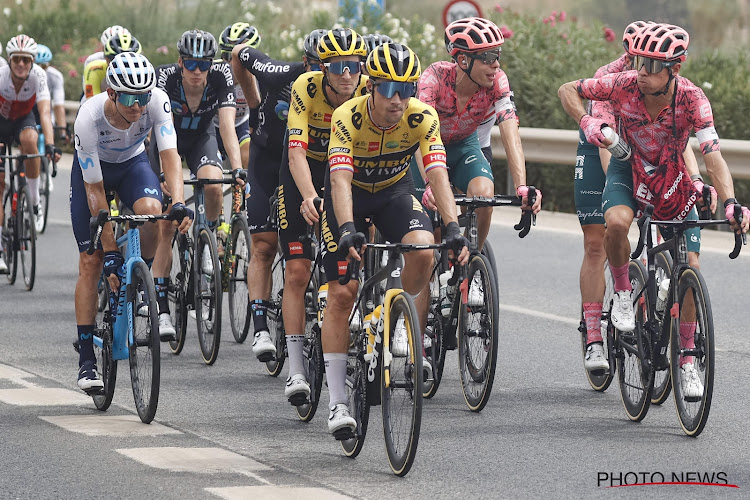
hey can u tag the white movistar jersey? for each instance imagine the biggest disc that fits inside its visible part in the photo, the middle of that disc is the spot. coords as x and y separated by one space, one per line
97 140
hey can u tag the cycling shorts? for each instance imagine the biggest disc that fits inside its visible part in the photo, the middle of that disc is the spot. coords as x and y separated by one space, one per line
619 191
243 136
132 180
202 150
394 211
262 180
466 161
588 183
12 128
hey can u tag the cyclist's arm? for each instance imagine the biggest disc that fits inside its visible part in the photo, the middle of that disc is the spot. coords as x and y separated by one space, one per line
46 120
229 136
571 101
243 75
719 171
300 170
297 125
60 118
166 141
97 200
690 162
514 151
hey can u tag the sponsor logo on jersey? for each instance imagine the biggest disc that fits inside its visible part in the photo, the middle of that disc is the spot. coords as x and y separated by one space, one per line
391 144
295 131
339 150
339 159
295 248
373 146
437 147
327 117
85 162
268 67
297 144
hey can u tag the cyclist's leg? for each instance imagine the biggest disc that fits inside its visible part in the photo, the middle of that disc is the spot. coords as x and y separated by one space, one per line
6 136
243 137
28 138
204 161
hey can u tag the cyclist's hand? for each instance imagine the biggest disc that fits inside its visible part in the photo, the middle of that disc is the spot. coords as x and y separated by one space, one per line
592 129
309 210
113 261
350 241
428 199
53 152
458 246
182 216
523 193
729 211
698 185
238 176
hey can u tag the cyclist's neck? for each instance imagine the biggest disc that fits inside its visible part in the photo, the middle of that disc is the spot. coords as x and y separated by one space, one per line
114 117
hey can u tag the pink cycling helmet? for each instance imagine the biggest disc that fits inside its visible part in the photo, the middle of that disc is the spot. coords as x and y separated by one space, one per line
665 42
631 31
472 34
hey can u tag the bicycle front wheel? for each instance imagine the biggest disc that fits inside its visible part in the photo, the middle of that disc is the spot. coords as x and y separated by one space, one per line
208 294
478 333
662 378
692 359
401 387
239 258
26 224
44 191
356 390
10 243
274 317
434 346
178 290
312 352
107 366
145 373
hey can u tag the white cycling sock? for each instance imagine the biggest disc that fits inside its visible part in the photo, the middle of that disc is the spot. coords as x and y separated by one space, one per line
336 377
34 190
294 345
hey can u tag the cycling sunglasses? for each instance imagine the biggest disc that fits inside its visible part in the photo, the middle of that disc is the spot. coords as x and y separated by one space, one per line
338 67
652 65
314 66
22 59
488 57
389 89
201 64
130 99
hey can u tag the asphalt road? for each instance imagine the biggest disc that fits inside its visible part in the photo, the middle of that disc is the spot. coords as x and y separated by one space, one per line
226 431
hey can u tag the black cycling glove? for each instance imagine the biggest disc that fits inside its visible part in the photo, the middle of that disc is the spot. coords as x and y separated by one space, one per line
454 239
350 237
113 261
179 211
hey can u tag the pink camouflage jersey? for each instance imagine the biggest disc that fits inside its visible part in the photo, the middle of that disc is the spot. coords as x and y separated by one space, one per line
659 173
603 109
437 87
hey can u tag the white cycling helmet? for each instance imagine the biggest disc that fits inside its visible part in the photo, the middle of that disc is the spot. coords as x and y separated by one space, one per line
131 72
21 44
111 31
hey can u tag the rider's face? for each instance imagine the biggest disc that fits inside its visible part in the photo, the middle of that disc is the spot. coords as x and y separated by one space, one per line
346 82
21 64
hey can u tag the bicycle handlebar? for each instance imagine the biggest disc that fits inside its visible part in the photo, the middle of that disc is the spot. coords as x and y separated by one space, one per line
96 224
528 218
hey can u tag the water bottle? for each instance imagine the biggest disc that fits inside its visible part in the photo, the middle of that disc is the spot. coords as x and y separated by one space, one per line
618 148
661 297
322 298
445 303
372 328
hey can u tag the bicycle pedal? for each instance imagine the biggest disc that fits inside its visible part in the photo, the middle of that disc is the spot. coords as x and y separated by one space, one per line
168 337
299 399
343 434
692 399
94 391
451 343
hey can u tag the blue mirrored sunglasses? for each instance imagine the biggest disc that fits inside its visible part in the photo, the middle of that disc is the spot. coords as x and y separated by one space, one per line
389 89
130 99
201 64
314 66
338 67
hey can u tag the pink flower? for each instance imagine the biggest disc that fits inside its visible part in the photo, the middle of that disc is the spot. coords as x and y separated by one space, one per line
82 59
507 32
564 36
67 48
73 73
499 8
552 21
162 50
563 16
609 35
554 13
568 42
545 20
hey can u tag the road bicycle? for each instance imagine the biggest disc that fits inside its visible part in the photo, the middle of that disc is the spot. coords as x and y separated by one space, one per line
45 181
234 265
128 325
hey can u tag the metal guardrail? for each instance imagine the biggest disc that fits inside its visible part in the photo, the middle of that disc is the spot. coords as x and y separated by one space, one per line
559 147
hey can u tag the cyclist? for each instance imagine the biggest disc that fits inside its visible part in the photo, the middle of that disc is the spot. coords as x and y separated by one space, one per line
109 155
99 54
56 86
3 62
274 79
198 90
94 81
373 139
658 109
22 85
314 98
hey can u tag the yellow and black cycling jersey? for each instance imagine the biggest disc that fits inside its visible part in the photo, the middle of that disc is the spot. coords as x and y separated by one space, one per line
379 158
309 120
94 77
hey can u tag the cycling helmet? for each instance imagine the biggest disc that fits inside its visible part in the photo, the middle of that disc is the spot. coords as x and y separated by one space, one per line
311 44
238 34
131 72
631 31
121 42
43 54
197 44
375 39
665 42
21 44
395 62
110 32
341 42
472 34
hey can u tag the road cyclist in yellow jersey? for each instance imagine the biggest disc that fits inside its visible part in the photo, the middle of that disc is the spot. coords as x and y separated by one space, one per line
94 73
99 54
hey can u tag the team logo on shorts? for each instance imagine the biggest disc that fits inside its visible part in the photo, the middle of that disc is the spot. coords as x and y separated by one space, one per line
295 248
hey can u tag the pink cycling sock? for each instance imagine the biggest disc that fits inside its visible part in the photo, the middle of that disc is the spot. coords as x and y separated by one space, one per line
687 339
621 277
592 315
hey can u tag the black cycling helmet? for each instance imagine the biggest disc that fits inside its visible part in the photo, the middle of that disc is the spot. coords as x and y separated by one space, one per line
375 39
121 42
197 44
311 44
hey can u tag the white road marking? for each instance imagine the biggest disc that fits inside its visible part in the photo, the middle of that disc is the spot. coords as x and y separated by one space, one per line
274 493
109 425
16 376
43 396
538 314
198 460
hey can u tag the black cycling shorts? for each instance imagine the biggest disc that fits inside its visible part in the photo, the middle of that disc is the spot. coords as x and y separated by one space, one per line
12 128
262 180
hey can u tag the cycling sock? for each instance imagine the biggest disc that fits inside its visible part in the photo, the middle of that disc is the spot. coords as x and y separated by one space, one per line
687 339
259 308
622 279
33 190
85 344
592 315
149 262
162 299
294 345
336 376
212 224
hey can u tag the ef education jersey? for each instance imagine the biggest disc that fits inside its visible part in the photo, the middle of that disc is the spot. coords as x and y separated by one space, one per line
275 79
379 158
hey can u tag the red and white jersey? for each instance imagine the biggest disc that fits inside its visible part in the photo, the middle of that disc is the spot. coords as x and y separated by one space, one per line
14 105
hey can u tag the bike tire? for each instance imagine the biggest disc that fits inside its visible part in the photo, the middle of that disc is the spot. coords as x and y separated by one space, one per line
662 378
693 412
145 368
478 335
239 258
10 238
312 352
275 320
356 391
179 278
26 230
490 254
44 192
107 366
436 353
634 360
208 295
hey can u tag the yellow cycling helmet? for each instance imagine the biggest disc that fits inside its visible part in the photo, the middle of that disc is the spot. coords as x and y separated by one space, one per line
341 42
395 62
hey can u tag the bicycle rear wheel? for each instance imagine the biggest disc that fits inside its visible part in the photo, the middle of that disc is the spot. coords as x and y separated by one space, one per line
239 258
434 352
145 369
401 389
634 361
44 191
478 333
312 351
10 237
356 390
26 227
208 296
178 290
274 318
693 407
662 378
107 366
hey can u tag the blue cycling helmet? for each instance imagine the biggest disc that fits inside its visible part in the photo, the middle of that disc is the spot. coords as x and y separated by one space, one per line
43 54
